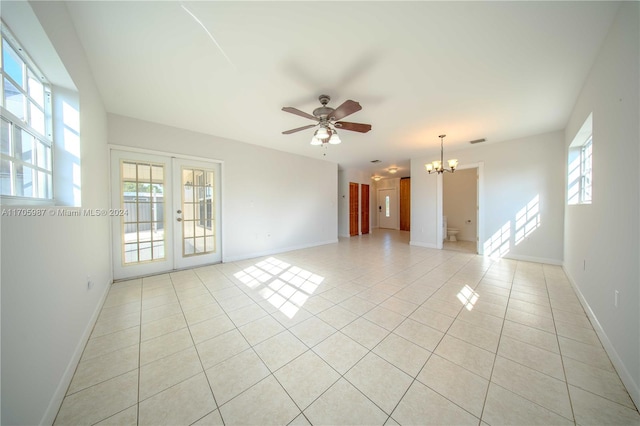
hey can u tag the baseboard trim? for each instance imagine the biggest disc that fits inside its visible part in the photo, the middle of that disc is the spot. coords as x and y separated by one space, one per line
632 387
534 259
58 396
276 251
425 245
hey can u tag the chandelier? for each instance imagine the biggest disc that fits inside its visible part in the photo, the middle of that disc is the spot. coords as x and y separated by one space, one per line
437 166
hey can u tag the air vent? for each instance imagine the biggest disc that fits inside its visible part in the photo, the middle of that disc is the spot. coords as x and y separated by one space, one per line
478 141
375 161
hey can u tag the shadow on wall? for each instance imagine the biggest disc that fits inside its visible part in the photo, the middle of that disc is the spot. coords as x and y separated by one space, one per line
514 232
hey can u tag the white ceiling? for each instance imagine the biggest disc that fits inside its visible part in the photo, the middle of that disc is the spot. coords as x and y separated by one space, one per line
494 70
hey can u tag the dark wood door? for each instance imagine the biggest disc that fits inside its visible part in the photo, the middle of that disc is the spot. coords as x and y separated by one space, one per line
353 209
405 204
364 208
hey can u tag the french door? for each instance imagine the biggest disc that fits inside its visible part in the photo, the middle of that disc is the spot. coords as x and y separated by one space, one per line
166 213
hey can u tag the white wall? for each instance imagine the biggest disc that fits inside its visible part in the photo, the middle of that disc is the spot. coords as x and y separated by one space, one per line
47 309
602 240
344 178
459 202
272 201
516 174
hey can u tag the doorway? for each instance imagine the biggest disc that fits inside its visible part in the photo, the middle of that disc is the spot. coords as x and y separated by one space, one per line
460 203
170 213
387 208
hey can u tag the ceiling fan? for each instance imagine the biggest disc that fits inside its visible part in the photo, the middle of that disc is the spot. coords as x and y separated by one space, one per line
327 121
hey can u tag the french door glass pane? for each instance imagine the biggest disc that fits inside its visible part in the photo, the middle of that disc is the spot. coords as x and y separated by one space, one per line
197 211
143 224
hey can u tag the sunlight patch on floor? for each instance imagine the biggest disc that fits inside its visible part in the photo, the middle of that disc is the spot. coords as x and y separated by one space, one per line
286 287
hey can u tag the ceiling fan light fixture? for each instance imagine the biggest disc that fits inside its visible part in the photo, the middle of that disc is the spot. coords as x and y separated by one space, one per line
322 133
334 139
327 120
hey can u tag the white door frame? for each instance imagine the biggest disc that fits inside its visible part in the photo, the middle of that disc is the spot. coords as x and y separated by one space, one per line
116 147
479 204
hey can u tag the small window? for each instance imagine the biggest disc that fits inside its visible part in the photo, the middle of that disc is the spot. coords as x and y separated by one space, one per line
26 163
580 172
386 206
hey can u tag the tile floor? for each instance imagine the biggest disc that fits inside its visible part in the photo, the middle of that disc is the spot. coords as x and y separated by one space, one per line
366 331
463 246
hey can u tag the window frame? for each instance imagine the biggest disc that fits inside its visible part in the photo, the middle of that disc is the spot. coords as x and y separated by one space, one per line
42 169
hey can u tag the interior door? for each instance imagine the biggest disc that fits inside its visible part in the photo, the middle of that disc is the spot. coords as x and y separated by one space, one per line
196 205
353 209
364 210
168 213
405 204
387 208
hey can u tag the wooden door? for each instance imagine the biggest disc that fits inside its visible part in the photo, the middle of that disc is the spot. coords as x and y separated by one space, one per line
365 207
405 204
353 209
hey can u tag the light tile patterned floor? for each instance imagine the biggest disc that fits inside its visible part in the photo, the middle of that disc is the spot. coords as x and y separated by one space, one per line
366 331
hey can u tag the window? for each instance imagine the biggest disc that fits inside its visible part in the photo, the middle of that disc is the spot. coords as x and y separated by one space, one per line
26 160
580 173
386 207
585 171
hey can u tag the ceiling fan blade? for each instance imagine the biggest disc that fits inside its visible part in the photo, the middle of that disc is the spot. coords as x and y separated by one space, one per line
354 127
347 108
298 112
288 132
